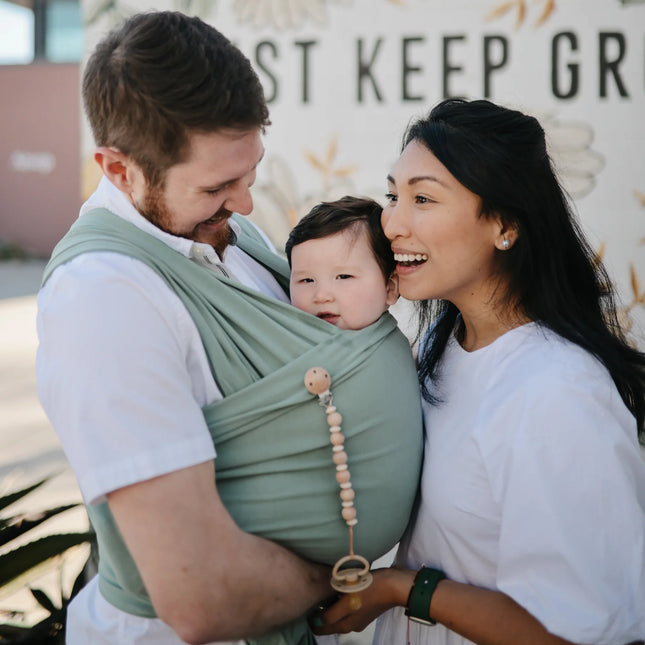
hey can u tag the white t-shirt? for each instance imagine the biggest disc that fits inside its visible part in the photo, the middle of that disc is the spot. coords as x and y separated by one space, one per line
533 484
123 376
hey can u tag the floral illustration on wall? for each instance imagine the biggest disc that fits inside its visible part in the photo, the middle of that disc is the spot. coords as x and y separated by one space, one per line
520 8
638 299
638 293
115 11
283 15
280 202
569 144
626 310
287 14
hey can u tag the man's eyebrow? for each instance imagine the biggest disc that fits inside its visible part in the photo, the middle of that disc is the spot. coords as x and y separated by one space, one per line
230 181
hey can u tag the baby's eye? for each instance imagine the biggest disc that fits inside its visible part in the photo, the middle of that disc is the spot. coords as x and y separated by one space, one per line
344 276
305 280
391 197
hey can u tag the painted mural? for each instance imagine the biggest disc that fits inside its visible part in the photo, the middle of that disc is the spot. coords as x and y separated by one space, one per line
344 77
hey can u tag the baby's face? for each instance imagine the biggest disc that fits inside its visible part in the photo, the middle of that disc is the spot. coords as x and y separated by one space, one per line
338 279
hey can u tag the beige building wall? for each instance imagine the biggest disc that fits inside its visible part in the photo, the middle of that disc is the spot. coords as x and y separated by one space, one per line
40 174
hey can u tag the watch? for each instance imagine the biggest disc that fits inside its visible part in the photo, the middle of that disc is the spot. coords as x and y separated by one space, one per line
418 606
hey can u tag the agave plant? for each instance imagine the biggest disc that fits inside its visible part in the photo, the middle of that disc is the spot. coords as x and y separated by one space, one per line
21 561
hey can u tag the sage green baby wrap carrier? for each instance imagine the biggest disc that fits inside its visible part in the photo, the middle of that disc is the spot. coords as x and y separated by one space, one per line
274 460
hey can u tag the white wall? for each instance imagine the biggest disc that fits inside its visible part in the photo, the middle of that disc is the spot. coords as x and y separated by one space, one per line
579 65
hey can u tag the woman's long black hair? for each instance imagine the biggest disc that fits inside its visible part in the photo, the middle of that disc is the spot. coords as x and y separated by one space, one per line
555 278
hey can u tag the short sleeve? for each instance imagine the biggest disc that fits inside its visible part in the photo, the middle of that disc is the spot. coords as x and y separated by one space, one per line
571 490
119 373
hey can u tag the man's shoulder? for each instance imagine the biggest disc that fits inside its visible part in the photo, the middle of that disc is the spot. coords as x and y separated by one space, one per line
99 275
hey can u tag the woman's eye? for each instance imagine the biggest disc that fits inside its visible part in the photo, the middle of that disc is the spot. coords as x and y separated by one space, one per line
422 200
391 197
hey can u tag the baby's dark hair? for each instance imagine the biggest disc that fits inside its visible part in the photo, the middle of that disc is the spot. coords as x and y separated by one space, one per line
355 213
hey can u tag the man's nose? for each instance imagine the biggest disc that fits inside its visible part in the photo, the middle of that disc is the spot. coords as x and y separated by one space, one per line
240 199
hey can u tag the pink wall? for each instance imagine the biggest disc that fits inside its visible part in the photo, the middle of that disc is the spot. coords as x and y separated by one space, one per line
40 167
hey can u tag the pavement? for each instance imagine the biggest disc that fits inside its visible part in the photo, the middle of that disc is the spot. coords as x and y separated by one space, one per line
29 447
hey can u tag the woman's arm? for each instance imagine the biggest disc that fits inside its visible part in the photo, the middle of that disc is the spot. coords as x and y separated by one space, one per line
484 617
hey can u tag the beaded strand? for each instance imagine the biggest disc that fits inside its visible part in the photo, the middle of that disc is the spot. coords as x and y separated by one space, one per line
344 579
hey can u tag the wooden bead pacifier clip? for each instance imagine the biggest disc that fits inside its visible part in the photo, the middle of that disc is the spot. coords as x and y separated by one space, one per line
345 579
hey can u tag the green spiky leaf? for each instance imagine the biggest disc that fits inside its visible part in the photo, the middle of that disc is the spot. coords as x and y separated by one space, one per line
19 561
10 530
11 498
44 600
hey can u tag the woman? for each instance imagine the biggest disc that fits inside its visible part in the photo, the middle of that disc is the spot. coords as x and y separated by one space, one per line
530 526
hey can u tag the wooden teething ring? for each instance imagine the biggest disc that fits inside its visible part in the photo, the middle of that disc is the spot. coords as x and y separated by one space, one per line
349 580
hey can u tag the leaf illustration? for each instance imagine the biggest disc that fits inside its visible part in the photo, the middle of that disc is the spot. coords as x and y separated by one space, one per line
99 9
500 10
634 280
314 161
547 10
345 171
599 254
521 13
331 151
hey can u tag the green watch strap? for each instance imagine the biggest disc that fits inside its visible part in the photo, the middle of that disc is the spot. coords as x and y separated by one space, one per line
418 605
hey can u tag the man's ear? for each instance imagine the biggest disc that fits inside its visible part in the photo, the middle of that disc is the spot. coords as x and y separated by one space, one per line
392 289
117 167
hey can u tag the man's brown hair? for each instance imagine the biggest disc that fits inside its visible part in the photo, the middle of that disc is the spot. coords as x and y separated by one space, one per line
162 76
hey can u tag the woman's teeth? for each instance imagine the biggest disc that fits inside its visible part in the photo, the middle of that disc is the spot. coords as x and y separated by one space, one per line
408 258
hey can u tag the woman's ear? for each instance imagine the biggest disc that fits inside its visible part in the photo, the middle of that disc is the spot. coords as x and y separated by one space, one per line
507 235
117 167
392 289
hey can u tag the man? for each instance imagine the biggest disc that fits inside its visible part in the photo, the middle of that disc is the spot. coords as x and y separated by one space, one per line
177 114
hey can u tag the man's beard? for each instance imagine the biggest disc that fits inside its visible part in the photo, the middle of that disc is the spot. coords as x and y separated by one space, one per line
155 209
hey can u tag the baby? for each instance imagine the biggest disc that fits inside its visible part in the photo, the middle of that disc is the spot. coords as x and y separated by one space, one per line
342 267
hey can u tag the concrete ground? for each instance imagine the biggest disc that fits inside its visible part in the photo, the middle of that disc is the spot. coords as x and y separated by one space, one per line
29 448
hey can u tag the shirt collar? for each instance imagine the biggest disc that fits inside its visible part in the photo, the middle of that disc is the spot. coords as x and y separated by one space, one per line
108 196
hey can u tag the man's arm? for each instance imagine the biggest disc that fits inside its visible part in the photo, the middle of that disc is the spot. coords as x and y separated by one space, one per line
207 579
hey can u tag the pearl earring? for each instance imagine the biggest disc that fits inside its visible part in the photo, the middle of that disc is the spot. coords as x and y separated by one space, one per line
505 244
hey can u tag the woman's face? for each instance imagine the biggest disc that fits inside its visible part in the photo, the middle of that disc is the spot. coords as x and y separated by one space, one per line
443 248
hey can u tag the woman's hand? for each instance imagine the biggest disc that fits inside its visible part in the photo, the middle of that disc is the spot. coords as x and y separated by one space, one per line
390 588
